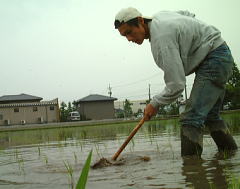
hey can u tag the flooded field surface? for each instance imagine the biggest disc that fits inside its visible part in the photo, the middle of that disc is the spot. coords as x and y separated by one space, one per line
47 158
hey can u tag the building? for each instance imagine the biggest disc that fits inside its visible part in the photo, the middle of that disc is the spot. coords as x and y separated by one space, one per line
96 107
136 105
27 109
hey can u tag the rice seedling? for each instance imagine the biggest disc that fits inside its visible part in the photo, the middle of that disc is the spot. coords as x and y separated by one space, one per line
132 145
212 186
75 157
171 148
158 149
19 160
39 151
97 150
234 183
105 146
225 154
45 158
16 153
70 173
151 140
81 145
84 174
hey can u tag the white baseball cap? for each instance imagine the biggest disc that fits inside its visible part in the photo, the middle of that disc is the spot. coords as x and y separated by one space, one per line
127 14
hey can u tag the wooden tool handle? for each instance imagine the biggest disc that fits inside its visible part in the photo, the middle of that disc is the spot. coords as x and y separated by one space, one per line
115 156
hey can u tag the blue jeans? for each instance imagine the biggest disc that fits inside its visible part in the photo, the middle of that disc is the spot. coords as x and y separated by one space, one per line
208 89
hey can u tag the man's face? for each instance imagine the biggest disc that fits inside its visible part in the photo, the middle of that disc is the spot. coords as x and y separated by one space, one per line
134 34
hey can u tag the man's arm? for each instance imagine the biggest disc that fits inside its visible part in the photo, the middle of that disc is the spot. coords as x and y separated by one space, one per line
149 112
174 76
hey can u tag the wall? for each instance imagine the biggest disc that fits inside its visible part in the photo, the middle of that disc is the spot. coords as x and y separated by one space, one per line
97 110
26 113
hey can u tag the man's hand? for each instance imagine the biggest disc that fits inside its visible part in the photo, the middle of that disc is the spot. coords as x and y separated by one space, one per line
149 112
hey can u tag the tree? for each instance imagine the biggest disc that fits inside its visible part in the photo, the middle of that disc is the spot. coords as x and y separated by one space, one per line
232 95
66 109
69 108
138 113
234 80
119 113
74 107
63 111
127 108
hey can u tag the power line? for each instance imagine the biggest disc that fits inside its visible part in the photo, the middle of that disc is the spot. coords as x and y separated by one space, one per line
126 97
141 92
135 82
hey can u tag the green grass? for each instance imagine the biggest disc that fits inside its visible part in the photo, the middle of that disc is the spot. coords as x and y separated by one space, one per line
84 174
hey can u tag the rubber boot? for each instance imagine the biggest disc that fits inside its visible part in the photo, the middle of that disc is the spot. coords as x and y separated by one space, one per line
191 141
221 135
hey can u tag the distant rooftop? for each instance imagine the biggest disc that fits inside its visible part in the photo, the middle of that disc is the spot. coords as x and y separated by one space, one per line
96 97
17 98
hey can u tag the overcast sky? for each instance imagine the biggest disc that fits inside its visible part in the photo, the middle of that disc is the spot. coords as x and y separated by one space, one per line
68 49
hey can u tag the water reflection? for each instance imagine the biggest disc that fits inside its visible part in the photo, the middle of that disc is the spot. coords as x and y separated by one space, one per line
158 140
206 174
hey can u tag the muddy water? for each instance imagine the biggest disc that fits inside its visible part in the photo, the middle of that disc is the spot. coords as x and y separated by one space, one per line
38 158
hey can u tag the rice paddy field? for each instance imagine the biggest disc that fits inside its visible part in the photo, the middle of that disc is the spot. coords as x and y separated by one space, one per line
54 158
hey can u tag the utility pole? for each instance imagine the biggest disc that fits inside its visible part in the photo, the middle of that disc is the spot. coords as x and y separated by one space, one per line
149 92
110 91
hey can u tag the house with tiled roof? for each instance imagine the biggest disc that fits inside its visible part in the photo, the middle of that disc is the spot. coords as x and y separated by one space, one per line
96 107
27 109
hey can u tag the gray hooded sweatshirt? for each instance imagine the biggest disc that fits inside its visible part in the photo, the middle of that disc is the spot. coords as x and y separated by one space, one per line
179 43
